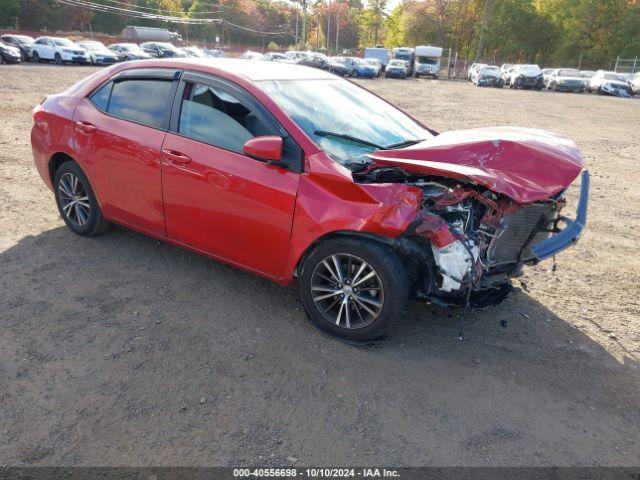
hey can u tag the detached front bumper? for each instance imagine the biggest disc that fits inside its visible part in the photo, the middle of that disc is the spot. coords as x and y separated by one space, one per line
570 235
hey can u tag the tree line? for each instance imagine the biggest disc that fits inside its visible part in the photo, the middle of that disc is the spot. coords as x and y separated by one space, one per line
558 32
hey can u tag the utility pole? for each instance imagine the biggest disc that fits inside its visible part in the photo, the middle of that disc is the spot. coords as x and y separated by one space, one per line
304 24
328 26
297 40
338 27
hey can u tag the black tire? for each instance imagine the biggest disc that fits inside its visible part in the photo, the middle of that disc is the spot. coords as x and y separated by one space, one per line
35 57
389 271
3 60
94 223
58 59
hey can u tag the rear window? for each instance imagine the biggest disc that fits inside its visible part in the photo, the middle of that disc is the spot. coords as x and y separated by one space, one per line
142 101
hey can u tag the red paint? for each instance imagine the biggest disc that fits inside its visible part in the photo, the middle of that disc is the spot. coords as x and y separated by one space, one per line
526 165
257 215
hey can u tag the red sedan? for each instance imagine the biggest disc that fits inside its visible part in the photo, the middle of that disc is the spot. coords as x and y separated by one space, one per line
302 177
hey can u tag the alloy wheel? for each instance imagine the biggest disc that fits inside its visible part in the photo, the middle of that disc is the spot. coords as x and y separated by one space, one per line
74 199
347 291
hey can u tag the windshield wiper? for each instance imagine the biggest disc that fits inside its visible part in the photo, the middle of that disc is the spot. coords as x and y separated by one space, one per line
325 133
404 143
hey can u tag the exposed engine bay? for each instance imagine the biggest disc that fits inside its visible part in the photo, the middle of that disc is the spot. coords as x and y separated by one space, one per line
468 241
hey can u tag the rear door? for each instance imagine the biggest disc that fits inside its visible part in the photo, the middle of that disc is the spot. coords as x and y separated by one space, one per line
119 133
217 199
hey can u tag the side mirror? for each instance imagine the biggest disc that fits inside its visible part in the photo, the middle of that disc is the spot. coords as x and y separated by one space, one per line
267 148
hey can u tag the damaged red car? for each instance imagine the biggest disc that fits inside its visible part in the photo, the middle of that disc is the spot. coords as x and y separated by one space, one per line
305 178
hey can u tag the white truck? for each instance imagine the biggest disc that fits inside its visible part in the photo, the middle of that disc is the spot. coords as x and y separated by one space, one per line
427 61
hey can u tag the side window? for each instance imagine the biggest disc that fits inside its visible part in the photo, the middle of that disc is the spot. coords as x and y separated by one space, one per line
142 101
100 97
213 116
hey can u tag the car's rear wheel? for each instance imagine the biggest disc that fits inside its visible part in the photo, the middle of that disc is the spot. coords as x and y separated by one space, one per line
77 202
354 288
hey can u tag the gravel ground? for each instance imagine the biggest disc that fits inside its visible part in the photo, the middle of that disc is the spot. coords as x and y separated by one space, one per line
121 350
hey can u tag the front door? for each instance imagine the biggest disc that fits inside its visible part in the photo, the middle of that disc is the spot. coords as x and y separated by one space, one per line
217 199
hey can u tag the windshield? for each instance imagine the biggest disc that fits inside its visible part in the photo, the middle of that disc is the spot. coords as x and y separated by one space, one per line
372 61
427 60
63 42
568 73
613 77
131 47
490 70
403 56
346 109
396 63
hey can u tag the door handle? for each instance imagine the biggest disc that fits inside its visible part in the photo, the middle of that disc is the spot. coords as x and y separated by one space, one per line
86 127
176 157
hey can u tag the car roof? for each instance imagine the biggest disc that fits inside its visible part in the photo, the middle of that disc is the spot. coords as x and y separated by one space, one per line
252 70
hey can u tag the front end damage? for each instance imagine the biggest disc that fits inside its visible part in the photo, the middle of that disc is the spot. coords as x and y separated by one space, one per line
469 240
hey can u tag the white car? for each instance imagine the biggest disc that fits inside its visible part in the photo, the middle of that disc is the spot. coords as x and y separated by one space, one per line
98 53
609 83
59 50
566 80
274 57
129 51
249 55
374 62
635 84
526 76
295 55
473 69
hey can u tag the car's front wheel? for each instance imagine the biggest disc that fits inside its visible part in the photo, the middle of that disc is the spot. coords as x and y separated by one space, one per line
35 57
77 202
58 59
354 288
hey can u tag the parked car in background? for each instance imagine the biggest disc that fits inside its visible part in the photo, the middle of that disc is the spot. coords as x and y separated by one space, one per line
609 83
162 50
129 51
321 61
213 53
21 42
586 75
274 57
526 76
374 62
546 72
99 54
358 67
251 55
396 69
295 55
566 80
378 53
59 50
349 198
9 53
193 52
488 76
473 69
407 54
427 61
506 71
635 84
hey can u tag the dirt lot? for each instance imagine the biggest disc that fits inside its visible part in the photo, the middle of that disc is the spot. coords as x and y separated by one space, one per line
120 350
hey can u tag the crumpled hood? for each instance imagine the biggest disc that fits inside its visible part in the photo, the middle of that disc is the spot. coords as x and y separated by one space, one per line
525 164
